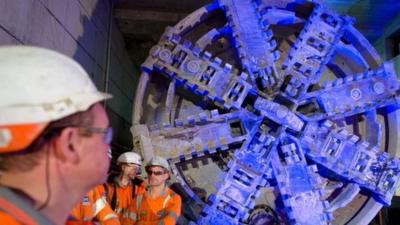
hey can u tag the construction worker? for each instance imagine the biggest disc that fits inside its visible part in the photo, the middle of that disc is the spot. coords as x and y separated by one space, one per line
54 136
93 208
123 188
159 204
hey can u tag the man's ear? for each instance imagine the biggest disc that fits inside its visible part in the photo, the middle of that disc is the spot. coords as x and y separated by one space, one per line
67 145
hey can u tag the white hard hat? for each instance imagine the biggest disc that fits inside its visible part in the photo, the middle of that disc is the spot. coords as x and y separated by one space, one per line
38 86
158 161
130 157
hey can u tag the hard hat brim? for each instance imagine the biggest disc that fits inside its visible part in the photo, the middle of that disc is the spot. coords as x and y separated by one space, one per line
19 134
27 114
13 138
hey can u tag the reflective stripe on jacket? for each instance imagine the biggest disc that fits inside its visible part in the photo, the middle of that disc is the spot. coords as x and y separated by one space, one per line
164 209
15 211
93 207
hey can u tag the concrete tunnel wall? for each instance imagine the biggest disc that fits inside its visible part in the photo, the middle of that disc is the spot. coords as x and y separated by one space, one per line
79 29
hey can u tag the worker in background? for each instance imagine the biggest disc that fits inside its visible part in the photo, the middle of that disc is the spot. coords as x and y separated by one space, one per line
54 136
123 188
159 204
93 208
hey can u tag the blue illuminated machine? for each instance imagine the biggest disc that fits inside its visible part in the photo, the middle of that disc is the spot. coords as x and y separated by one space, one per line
271 112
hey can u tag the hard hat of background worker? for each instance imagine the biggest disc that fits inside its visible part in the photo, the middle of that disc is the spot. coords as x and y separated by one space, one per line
130 157
158 161
39 86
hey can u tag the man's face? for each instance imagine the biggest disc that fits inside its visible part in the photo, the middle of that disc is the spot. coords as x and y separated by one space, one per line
157 175
95 150
130 169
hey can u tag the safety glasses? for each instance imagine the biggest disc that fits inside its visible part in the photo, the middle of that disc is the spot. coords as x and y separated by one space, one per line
155 173
108 133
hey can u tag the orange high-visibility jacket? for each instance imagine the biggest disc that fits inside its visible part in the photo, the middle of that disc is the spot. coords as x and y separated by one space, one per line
145 210
6 219
16 211
120 197
93 207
